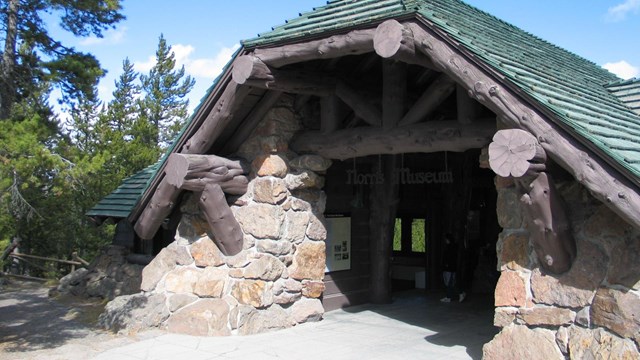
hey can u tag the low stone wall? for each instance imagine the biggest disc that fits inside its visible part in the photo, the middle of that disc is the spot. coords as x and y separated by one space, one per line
275 282
590 312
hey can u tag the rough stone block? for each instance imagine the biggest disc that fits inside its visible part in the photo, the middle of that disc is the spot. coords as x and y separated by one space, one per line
270 165
304 180
266 267
295 226
504 317
256 293
516 342
599 344
317 230
510 290
305 310
182 280
157 268
546 316
312 289
206 317
177 301
514 252
133 313
211 282
509 210
206 253
269 190
274 247
617 311
273 318
308 261
262 221
311 162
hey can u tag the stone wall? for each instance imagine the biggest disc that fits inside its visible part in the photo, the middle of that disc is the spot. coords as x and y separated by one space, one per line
275 282
590 312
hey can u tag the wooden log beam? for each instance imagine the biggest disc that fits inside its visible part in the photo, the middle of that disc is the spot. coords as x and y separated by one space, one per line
181 167
250 70
394 40
424 137
394 89
515 152
604 182
549 225
359 104
251 121
227 233
159 207
430 99
354 42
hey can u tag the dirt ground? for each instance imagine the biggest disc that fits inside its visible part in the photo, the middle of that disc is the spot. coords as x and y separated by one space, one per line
35 326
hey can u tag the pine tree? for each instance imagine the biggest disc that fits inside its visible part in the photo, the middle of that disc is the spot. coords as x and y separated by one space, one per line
165 104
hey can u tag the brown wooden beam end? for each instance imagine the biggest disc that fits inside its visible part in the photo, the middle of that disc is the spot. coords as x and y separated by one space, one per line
225 229
424 137
394 40
515 152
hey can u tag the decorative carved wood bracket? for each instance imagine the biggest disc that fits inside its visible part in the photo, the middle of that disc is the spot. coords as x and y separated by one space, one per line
517 153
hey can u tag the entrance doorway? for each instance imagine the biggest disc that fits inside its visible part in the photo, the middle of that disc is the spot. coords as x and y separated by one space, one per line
438 193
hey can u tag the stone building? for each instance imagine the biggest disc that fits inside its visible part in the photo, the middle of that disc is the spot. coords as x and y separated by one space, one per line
326 163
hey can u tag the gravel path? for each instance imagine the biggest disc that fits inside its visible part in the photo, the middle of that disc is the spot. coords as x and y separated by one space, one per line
33 326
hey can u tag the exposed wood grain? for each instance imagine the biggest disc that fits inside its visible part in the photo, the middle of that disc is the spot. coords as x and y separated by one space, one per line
394 40
424 137
430 99
227 233
513 152
354 42
604 182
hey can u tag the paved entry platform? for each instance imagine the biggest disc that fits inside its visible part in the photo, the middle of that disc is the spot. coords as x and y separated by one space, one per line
414 326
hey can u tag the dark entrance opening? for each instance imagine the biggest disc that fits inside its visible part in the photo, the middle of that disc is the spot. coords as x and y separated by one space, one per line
438 193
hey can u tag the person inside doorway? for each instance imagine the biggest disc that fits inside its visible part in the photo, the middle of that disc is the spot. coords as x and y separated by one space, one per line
449 268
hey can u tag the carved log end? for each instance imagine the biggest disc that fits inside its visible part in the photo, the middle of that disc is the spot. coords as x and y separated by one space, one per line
176 170
244 68
388 38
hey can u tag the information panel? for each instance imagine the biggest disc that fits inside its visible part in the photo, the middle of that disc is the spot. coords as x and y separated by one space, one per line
338 243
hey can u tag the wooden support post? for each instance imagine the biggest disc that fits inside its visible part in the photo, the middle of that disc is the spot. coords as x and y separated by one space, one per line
354 42
384 202
159 208
604 182
394 40
516 153
227 233
433 136
359 104
394 89
430 99
250 70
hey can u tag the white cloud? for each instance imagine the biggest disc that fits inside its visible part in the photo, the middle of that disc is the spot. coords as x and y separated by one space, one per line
620 11
111 36
207 68
623 69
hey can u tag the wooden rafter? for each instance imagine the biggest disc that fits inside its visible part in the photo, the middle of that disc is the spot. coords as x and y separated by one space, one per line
430 99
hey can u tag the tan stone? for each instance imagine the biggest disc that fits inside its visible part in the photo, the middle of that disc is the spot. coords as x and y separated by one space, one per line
256 293
211 282
269 190
262 221
517 342
295 226
305 310
308 261
273 318
267 268
181 280
598 344
311 162
626 267
312 289
317 229
515 250
206 253
304 180
182 255
562 339
287 285
504 317
546 316
274 247
157 268
270 165
177 301
510 290
239 260
207 317
575 288
604 223
617 311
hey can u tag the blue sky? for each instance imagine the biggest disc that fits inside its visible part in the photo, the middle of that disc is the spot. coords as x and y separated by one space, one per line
204 33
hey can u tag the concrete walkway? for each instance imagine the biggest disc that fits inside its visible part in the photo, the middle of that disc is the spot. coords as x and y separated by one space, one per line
415 326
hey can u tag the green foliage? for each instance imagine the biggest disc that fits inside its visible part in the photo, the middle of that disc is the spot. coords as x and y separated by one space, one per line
418 235
397 235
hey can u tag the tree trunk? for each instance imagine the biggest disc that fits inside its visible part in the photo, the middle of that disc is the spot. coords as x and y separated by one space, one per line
7 90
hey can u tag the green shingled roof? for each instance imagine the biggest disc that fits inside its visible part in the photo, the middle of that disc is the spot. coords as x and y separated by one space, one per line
581 96
566 85
119 203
